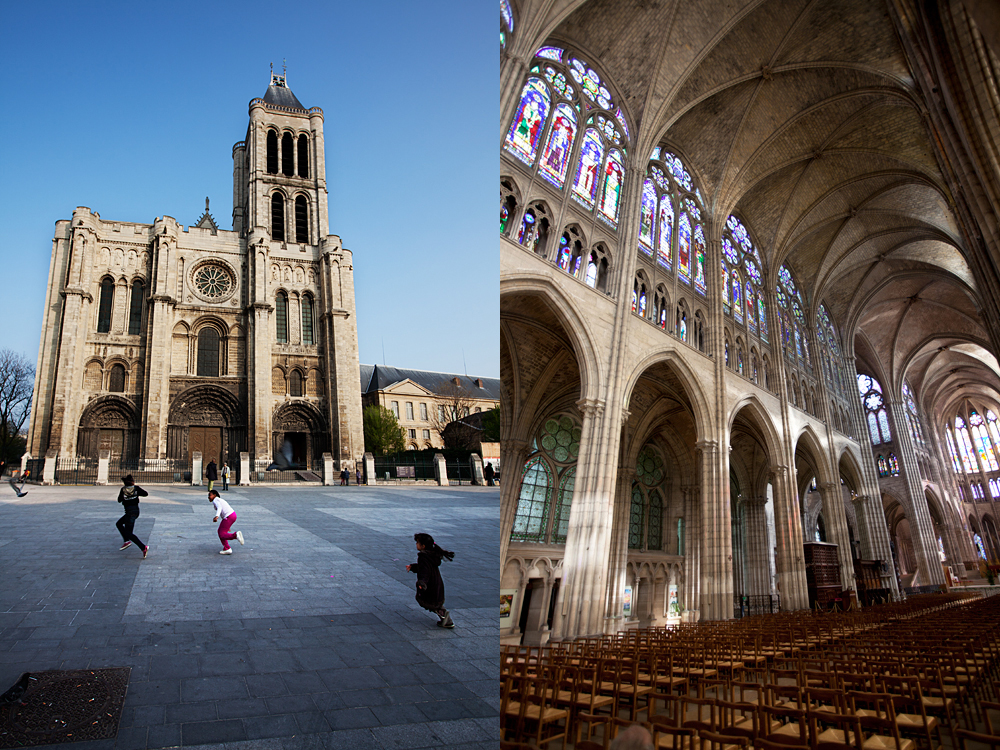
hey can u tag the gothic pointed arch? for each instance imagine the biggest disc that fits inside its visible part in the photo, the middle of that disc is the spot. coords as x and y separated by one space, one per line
207 418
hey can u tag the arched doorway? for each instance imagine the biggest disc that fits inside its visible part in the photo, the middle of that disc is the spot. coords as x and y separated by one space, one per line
302 426
109 423
209 419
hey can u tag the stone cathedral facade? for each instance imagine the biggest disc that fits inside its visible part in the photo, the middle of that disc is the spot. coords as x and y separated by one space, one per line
160 340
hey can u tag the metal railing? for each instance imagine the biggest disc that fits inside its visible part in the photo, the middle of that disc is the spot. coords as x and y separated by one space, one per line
459 470
150 470
75 470
761 604
260 475
404 466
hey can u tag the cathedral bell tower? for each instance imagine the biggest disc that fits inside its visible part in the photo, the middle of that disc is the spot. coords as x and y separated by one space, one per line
302 335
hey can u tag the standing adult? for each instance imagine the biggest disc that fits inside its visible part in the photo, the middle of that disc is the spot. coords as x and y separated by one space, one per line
357 476
225 476
211 473
129 496
488 474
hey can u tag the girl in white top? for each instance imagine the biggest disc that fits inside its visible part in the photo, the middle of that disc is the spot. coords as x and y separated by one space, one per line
228 515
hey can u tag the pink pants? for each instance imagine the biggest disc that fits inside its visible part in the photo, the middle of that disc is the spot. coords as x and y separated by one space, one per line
224 530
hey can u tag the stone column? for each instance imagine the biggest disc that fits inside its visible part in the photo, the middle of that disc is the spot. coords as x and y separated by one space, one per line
582 598
618 557
835 517
327 469
196 469
103 459
370 477
716 600
49 468
440 470
476 463
758 549
925 548
692 551
244 469
789 560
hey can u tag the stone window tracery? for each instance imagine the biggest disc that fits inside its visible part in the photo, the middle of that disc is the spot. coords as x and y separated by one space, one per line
106 305
646 509
874 405
568 128
742 279
547 482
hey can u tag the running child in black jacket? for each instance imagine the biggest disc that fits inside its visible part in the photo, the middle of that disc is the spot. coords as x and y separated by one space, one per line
129 496
430 587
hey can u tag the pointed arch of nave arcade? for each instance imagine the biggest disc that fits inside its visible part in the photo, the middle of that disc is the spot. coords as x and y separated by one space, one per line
750 308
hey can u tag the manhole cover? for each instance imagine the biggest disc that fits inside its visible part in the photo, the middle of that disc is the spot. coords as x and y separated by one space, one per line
66 706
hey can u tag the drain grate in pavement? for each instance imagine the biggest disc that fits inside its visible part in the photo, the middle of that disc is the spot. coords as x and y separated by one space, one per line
66 706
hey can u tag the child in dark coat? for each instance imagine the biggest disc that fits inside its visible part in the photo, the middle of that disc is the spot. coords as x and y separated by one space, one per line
430 587
129 496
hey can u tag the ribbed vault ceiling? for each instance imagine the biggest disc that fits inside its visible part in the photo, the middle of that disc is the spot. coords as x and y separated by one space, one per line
802 117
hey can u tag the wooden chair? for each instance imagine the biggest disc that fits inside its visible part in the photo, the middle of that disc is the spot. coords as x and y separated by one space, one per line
713 741
834 731
782 724
738 719
706 713
876 714
537 717
590 720
986 739
667 736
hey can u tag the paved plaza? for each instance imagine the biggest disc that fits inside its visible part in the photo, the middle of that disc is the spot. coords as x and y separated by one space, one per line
308 636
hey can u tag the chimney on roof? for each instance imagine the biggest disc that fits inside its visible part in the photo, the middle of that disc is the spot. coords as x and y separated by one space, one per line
479 382
456 381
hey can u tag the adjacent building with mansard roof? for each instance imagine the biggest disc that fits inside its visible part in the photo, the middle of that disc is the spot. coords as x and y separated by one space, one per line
160 340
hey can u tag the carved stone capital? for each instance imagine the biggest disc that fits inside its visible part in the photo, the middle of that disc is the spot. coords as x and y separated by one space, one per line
707 447
777 471
591 407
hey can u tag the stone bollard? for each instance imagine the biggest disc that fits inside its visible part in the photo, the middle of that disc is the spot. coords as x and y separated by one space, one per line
370 477
327 469
440 470
244 469
49 470
103 459
196 469
477 470
24 462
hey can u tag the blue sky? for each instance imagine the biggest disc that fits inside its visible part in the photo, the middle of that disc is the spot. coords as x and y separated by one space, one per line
132 109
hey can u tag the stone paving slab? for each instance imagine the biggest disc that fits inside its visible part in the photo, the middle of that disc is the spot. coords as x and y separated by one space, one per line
308 636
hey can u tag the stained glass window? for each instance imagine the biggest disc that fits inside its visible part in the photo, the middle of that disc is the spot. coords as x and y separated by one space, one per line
560 524
533 502
893 465
982 442
647 212
682 329
964 446
684 248
677 231
951 450
549 469
979 545
591 156
991 422
830 354
699 260
555 157
742 297
532 111
871 398
664 255
790 300
611 195
654 532
883 468
635 519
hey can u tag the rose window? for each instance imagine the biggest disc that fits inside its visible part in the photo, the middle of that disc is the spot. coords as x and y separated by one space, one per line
213 282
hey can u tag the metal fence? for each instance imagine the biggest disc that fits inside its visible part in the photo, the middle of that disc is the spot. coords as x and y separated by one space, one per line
75 470
764 604
404 466
34 467
459 470
150 470
260 475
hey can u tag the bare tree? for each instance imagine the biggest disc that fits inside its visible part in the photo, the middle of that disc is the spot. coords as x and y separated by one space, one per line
17 378
454 402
